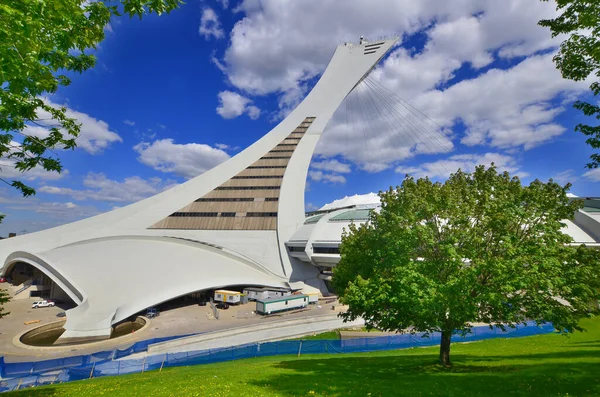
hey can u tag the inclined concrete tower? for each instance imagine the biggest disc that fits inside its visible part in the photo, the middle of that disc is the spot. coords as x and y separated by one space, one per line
225 227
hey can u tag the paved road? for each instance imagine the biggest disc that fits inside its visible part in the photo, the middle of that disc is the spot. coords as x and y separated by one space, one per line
252 334
180 319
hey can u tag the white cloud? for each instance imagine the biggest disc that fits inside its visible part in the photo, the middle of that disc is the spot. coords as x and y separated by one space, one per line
224 3
129 122
56 210
186 160
311 207
331 165
514 108
232 104
9 172
565 177
375 132
295 42
224 146
94 137
442 169
593 175
504 108
320 176
210 25
357 199
101 188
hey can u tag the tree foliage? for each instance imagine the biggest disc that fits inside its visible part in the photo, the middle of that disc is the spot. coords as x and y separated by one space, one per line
41 43
478 248
4 297
579 57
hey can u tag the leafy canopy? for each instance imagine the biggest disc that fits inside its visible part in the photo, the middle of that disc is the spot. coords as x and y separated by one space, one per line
480 247
41 42
579 57
4 297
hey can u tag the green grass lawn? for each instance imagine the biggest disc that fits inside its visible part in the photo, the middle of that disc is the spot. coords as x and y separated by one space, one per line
545 365
329 335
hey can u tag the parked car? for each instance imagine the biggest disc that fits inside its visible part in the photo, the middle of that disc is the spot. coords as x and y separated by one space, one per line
2 279
222 305
46 303
202 303
61 314
152 312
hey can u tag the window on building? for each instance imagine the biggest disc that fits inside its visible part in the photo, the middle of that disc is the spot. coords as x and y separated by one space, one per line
248 188
194 214
223 200
258 177
326 250
261 214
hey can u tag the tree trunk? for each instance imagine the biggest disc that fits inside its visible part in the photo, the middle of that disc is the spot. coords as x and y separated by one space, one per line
445 348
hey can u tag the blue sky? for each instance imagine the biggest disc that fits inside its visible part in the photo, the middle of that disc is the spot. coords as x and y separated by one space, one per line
173 96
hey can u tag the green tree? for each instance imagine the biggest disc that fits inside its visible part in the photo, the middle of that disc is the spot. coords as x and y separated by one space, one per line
579 57
4 297
478 248
41 42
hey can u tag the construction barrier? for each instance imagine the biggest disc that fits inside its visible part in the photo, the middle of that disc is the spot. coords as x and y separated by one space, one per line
32 374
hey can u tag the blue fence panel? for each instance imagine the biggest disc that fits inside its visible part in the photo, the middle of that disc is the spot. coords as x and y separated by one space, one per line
79 373
102 363
193 358
246 351
17 369
267 349
314 347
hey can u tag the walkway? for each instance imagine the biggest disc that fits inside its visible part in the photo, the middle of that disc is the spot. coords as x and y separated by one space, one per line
272 331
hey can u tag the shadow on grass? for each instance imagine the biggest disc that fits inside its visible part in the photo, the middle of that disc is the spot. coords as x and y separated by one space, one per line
417 375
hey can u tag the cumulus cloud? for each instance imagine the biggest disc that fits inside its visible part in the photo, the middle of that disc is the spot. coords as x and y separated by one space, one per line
129 122
375 132
186 160
441 169
210 26
320 176
101 188
94 137
295 43
232 104
504 108
331 165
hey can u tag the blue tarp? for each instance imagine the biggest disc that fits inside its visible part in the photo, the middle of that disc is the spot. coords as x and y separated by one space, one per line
31 374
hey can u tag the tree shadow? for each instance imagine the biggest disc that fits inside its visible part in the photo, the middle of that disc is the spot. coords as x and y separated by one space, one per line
417 375
34 392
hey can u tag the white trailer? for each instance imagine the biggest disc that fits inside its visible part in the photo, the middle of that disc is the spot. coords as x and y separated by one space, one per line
254 293
313 297
231 297
280 304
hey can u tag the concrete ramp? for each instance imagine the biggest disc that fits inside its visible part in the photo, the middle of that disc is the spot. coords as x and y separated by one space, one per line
269 331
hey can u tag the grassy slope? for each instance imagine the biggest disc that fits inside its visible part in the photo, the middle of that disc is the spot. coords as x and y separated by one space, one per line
546 365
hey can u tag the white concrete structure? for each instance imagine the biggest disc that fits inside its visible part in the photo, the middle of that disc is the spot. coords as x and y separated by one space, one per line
225 227
317 241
